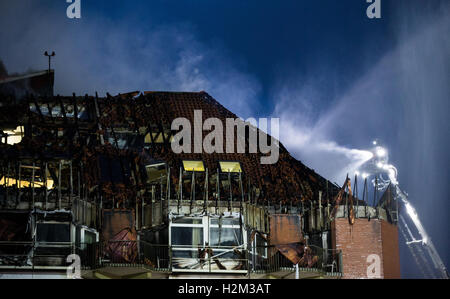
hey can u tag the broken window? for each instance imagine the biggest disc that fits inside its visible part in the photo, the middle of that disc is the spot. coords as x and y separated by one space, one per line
123 138
155 171
56 110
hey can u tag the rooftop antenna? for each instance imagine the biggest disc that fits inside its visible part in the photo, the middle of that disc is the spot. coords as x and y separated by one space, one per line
49 58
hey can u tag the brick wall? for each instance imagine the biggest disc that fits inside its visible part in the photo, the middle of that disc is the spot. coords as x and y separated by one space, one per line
391 255
362 239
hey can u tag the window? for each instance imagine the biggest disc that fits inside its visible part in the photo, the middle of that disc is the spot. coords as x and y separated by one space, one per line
53 232
195 239
124 137
228 166
89 237
225 221
225 236
193 165
13 136
25 183
187 236
155 171
26 178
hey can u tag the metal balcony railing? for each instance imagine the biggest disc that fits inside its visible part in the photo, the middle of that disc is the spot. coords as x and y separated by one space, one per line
268 259
165 258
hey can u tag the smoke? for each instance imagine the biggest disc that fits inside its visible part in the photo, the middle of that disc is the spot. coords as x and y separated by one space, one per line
394 91
303 133
401 99
96 54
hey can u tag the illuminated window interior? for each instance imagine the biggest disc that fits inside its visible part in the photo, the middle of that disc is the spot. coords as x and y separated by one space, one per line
193 166
13 136
24 183
230 166
25 180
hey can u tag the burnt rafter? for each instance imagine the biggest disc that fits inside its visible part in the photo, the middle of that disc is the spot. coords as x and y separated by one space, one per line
85 122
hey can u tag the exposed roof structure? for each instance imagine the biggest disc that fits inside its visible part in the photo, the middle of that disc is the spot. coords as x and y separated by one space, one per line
127 122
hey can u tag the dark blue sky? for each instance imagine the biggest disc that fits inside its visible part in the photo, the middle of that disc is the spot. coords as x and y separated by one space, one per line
268 39
336 79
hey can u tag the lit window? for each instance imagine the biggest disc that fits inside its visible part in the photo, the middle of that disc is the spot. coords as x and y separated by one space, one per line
24 183
193 166
13 136
230 166
25 180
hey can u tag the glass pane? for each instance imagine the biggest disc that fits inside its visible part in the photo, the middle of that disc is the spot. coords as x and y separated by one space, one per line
53 232
230 166
193 165
187 236
89 237
225 236
225 221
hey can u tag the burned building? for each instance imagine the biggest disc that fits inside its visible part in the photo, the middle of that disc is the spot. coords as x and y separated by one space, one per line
38 83
97 177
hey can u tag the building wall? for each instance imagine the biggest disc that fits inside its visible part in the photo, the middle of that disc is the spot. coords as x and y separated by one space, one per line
362 239
391 255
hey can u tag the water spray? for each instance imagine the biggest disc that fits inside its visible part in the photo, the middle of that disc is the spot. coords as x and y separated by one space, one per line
379 167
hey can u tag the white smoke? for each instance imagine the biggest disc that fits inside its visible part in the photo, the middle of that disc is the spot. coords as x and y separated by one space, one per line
378 104
94 54
308 140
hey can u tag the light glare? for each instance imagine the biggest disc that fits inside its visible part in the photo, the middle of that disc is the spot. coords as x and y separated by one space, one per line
381 152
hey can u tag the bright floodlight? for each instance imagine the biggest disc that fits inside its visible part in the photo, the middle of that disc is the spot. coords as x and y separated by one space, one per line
381 152
374 142
365 175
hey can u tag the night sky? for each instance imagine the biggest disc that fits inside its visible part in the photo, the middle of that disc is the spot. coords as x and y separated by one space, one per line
336 78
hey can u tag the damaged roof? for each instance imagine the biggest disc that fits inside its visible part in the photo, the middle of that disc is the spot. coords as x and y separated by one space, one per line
67 125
